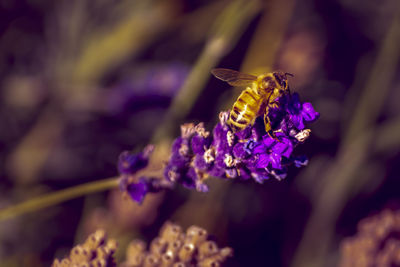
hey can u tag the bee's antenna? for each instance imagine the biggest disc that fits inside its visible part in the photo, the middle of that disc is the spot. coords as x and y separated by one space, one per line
289 74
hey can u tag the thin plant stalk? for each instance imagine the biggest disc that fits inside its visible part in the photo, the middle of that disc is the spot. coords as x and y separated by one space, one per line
55 198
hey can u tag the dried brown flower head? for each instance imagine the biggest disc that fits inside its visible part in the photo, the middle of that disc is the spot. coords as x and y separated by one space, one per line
377 242
175 248
95 251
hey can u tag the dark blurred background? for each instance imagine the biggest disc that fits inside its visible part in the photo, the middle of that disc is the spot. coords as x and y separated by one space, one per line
83 80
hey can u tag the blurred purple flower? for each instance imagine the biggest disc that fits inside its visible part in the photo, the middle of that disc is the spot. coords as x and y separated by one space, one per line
146 81
137 191
130 163
144 185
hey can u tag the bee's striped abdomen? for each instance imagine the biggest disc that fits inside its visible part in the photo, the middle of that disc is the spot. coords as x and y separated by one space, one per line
245 110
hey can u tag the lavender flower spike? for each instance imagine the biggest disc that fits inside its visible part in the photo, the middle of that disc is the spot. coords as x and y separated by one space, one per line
137 187
250 153
129 163
198 154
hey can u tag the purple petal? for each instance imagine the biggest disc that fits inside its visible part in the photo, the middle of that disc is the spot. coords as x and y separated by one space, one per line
297 121
275 161
308 112
177 144
189 180
244 134
300 161
260 148
219 132
202 187
220 161
179 161
217 172
239 151
200 163
283 148
130 163
280 135
199 144
244 173
263 161
268 141
220 141
294 104
231 173
260 176
137 191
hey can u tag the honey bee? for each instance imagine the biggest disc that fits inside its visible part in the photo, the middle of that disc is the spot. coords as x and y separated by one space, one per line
261 93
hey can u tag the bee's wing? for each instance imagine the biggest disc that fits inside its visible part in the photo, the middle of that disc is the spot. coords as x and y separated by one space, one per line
233 77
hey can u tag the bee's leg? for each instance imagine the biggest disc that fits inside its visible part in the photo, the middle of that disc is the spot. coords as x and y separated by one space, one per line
267 122
273 105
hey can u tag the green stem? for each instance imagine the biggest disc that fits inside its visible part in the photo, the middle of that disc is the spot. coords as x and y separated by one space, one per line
54 198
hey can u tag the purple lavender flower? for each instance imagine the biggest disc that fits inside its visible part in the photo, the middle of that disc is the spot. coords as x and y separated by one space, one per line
137 191
300 112
130 163
144 185
180 169
251 153
271 151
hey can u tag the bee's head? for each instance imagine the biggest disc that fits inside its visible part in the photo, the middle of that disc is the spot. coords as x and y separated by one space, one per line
281 78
